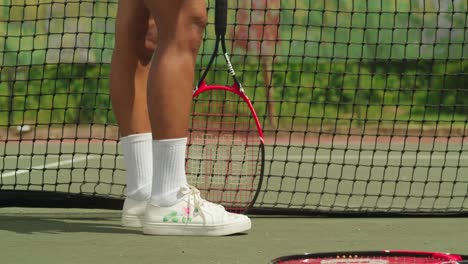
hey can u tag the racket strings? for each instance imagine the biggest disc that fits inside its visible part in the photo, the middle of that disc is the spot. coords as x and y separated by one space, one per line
224 153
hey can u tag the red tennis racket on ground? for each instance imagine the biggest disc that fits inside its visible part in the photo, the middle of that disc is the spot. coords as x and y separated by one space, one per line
225 155
374 257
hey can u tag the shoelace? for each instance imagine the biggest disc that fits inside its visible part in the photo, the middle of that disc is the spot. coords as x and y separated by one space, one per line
197 200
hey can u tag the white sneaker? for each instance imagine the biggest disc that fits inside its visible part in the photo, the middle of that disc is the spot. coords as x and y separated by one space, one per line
132 212
193 216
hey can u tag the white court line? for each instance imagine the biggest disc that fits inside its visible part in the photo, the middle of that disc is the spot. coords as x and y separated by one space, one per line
312 156
280 158
48 166
367 157
61 155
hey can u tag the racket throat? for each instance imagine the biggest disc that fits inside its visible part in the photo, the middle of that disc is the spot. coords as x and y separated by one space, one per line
228 61
232 71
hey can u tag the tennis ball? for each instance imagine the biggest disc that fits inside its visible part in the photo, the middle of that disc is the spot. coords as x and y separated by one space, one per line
23 128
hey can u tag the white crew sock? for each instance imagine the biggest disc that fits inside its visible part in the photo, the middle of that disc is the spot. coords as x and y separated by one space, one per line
138 157
168 171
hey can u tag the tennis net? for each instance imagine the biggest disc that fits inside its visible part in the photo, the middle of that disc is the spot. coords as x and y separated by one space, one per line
364 103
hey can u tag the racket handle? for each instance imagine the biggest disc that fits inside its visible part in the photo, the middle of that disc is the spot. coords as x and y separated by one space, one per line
221 17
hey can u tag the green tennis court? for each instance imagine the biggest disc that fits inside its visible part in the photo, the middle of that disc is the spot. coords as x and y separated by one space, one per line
94 236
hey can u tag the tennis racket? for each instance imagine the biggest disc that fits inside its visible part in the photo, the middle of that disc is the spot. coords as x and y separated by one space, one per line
374 257
225 154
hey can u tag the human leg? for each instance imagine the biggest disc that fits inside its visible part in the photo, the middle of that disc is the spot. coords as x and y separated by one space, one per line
176 208
134 46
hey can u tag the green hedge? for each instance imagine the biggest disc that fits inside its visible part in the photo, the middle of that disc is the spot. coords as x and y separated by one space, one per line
322 92
56 94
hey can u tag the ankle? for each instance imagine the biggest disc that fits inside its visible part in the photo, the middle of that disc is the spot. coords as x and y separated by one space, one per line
166 199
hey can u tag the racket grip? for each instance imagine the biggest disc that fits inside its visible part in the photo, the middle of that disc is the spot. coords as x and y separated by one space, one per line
221 17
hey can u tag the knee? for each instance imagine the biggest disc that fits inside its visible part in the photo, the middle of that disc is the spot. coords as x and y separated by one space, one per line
187 33
136 38
195 27
150 41
197 21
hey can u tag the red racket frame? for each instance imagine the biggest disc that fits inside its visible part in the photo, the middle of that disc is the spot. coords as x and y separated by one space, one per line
203 87
444 257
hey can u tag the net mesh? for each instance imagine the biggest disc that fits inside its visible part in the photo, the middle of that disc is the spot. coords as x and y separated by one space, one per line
364 104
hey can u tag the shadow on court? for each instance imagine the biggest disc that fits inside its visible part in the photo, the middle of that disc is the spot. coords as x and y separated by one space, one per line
45 224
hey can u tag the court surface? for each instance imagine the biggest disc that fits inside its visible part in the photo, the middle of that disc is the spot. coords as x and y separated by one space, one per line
94 236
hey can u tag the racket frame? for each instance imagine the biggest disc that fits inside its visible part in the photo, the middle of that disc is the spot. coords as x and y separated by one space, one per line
452 258
235 88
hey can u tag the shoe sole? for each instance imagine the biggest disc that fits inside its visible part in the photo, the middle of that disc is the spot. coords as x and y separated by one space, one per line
163 229
131 221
